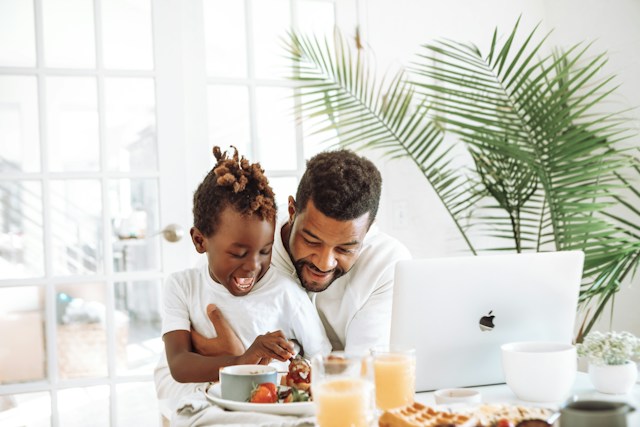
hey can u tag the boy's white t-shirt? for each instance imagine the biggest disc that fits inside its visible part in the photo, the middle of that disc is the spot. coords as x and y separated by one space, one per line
276 302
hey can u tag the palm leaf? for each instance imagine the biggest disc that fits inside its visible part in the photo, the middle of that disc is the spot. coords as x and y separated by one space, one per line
337 86
547 171
530 117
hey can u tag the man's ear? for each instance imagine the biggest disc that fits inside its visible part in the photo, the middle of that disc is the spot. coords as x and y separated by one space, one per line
291 208
198 240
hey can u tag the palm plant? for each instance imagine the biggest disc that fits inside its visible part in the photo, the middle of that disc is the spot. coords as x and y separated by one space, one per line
546 169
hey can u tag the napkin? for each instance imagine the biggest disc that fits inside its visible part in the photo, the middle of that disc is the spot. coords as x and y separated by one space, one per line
196 410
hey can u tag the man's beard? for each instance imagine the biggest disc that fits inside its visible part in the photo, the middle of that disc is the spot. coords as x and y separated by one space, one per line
314 286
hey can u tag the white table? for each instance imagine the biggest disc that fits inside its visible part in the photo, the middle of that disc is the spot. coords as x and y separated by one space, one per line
582 389
502 394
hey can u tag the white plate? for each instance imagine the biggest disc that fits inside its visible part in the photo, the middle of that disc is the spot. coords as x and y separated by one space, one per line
293 408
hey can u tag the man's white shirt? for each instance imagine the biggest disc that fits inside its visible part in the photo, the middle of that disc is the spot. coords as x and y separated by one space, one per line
356 308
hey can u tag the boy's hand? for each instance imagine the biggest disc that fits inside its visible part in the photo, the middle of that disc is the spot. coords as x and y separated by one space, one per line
272 345
226 343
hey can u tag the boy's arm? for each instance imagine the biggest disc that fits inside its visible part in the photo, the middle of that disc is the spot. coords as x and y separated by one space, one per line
187 366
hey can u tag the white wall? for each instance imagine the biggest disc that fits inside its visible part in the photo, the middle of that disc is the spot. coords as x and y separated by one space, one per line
395 30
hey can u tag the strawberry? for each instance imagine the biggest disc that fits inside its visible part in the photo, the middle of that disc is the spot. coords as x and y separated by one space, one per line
264 393
503 422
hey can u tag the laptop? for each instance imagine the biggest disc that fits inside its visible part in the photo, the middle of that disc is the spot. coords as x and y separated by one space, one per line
457 312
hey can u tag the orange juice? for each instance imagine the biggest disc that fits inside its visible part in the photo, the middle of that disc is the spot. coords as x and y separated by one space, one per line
343 402
395 375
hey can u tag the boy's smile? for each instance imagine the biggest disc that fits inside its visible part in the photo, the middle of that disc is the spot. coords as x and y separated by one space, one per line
239 252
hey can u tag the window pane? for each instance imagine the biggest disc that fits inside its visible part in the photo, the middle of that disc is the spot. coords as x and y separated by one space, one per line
134 206
137 404
271 21
317 142
276 130
131 124
229 117
225 38
81 407
26 409
82 333
138 350
68 33
283 187
21 230
19 141
76 224
316 17
72 124
22 356
17 34
126 33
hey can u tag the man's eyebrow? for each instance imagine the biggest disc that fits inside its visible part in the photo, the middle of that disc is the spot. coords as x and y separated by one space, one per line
352 243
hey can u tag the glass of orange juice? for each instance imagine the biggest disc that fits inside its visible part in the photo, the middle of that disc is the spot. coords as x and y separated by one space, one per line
395 376
343 390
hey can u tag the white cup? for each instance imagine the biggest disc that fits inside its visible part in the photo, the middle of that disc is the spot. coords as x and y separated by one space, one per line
539 371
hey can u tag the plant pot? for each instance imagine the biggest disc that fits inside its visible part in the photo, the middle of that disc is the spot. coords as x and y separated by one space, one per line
613 379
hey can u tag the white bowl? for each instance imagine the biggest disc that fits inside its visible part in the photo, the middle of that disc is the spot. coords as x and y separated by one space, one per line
237 381
539 371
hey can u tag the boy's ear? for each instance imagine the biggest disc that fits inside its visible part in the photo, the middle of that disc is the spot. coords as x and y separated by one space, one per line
198 240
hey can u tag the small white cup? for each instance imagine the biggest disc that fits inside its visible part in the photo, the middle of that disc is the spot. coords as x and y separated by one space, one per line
539 371
457 395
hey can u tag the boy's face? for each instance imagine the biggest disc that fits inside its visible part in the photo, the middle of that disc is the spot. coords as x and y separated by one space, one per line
239 252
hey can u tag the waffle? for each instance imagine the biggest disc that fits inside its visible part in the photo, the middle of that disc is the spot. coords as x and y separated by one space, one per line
418 415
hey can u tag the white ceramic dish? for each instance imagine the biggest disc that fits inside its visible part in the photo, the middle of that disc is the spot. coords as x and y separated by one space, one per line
457 395
294 408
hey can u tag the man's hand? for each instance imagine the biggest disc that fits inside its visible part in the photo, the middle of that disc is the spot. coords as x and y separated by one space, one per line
225 343
272 345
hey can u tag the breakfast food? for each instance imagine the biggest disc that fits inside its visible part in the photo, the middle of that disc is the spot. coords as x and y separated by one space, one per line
264 393
299 375
489 415
419 415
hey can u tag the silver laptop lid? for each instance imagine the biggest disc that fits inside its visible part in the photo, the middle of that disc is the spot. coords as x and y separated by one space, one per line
456 312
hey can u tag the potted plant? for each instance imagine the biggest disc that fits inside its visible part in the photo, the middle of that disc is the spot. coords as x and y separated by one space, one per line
610 355
545 169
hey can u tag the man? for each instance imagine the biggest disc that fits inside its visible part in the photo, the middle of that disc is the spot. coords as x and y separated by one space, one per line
328 244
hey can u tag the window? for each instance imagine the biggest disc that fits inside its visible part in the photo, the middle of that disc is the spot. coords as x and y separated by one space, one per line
250 101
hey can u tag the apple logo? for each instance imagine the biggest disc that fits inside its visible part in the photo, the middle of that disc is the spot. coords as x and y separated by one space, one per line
486 322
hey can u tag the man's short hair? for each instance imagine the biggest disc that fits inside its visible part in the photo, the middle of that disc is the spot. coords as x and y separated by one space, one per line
342 185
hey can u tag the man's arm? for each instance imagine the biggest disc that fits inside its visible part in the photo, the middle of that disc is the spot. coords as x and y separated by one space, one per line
371 326
226 343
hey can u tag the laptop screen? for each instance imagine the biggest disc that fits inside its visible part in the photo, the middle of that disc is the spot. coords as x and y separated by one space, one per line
457 312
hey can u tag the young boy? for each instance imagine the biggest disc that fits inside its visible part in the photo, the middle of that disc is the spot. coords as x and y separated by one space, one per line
234 215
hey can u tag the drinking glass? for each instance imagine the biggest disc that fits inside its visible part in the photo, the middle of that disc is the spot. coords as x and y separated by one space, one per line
343 390
395 376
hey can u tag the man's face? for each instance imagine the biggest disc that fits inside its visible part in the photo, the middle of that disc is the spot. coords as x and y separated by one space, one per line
322 248
238 253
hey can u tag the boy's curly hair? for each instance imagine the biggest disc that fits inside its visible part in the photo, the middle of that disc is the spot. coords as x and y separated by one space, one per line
234 182
342 185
